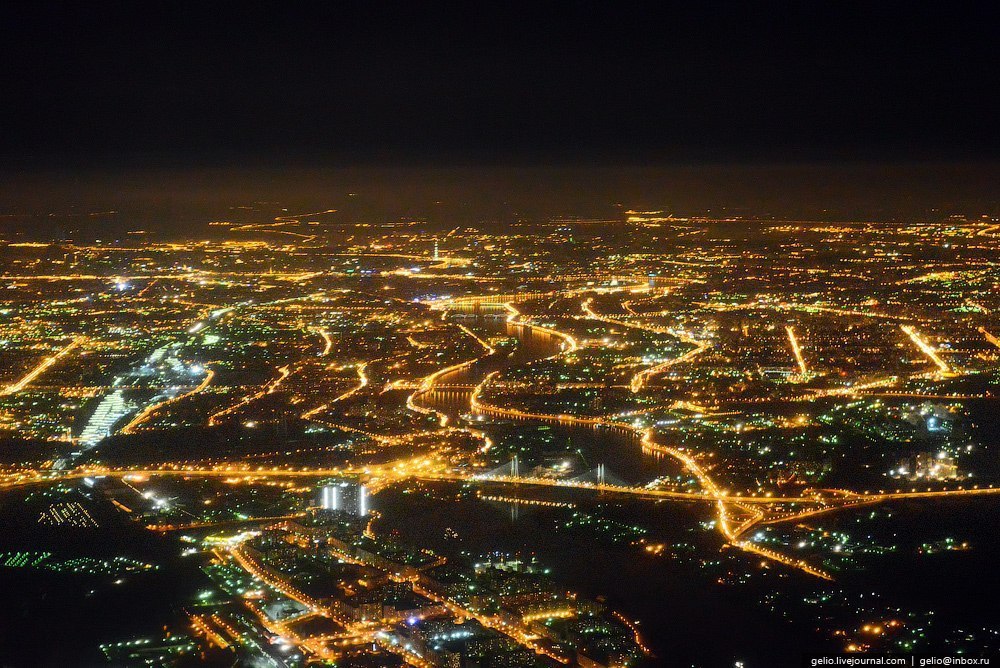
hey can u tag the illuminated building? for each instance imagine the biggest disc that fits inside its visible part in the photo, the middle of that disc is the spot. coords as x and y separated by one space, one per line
345 496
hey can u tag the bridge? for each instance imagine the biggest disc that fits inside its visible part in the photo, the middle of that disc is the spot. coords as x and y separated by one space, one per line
737 513
599 476
489 300
502 474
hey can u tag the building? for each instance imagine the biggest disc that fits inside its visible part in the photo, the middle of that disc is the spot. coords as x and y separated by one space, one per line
346 496
927 466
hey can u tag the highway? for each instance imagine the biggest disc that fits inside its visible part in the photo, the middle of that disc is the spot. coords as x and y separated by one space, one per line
757 509
362 384
989 337
148 411
42 366
926 349
641 379
269 388
797 351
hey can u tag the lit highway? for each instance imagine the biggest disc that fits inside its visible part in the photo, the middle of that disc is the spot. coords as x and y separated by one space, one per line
797 351
926 349
42 366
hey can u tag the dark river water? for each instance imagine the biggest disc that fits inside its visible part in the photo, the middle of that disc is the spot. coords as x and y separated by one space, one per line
686 615
619 451
688 621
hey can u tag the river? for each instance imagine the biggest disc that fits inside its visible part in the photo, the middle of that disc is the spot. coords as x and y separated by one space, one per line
680 609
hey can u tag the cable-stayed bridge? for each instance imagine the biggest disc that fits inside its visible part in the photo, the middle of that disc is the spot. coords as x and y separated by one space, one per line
597 477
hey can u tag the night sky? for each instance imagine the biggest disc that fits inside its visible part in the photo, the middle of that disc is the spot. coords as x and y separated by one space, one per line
192 84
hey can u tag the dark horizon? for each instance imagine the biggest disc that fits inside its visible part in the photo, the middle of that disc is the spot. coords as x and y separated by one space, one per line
157 85
915 192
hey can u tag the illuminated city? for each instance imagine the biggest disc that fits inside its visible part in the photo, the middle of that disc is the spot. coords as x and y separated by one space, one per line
542 408
288 381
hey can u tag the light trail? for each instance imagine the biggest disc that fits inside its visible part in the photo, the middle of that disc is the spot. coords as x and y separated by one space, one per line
989 337
518 632
793 306
926 349
636 636
42 366
591 313
271 387
990 231
198 623
732 535
736 513
362 384
422 468
308 415
856 390
270 578
152 408
486 346
398 573
629 303
797 350
327 341
164 528
515 318
416 344
640 379
192 276
709 487
427 384
442 261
